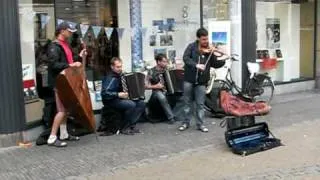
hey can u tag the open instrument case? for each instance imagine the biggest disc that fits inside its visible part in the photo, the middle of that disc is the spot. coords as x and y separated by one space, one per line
251 139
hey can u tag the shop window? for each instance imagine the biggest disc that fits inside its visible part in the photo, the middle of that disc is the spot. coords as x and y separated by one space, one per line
285 33
222 18
37 26
96 22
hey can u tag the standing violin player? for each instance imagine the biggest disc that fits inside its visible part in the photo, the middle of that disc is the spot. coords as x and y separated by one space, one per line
198 57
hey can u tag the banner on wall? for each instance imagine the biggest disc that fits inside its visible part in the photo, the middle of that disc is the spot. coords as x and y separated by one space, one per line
108 31
96 30
120 32
84 29
73 24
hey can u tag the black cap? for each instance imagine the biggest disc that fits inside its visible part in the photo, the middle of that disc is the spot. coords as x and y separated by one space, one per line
66 26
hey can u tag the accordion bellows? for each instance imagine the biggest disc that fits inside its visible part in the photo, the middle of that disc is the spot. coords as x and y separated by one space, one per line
235 106
134 85
174 80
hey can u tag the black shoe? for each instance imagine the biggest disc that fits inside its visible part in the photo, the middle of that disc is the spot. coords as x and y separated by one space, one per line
127 131
71 138
58 143
171 121
135 130
106 133
183 127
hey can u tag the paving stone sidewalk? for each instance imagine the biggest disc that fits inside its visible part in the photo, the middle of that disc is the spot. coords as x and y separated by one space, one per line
158 140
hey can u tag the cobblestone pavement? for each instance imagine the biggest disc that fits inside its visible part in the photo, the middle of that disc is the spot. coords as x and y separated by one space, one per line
297 159
162 143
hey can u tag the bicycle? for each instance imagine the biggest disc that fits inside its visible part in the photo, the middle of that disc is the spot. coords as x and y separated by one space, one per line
259 86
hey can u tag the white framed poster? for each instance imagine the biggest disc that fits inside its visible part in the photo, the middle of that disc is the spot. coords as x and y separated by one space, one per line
220 35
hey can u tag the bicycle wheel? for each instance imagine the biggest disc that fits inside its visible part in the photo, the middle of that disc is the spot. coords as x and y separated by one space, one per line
261 88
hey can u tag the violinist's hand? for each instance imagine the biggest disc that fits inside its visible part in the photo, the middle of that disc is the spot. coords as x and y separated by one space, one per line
201 67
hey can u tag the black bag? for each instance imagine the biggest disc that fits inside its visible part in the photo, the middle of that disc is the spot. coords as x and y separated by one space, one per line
237 122
212 100
73 128
251 139
49 111
111 121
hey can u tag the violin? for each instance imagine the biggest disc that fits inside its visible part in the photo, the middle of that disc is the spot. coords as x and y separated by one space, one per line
211 50
207 50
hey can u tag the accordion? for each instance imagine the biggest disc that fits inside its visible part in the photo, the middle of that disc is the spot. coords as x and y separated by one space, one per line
173 81
133 84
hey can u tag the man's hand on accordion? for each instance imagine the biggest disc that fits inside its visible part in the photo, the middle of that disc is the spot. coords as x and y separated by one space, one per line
123 95
158 86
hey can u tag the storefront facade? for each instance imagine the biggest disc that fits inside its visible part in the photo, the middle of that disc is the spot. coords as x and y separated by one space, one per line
136 30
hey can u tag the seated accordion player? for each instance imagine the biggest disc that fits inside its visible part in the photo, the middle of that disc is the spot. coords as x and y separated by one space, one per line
134 85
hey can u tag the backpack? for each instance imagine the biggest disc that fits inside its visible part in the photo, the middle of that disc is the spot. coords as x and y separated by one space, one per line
111 121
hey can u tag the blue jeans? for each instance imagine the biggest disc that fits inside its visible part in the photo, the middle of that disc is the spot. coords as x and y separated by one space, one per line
197 93
132 110
161 97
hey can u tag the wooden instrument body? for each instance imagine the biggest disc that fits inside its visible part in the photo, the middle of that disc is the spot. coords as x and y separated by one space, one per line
74 94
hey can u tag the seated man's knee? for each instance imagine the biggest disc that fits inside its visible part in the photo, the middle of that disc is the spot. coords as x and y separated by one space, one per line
130 104
161 97
140 104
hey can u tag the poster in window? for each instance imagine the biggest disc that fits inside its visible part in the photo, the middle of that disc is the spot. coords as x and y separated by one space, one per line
278 53
272 33
166 40
159 24
259 54
160 51
265 54
172 56
219 35
171 24
153 40
219 40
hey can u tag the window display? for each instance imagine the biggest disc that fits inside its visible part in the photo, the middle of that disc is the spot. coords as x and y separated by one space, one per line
37 26
97 28
285 31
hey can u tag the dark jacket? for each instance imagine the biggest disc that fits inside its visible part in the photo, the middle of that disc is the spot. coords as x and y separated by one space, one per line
57 61
191 57
111 86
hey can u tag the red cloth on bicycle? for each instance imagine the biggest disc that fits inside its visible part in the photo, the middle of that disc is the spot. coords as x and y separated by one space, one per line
235 106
